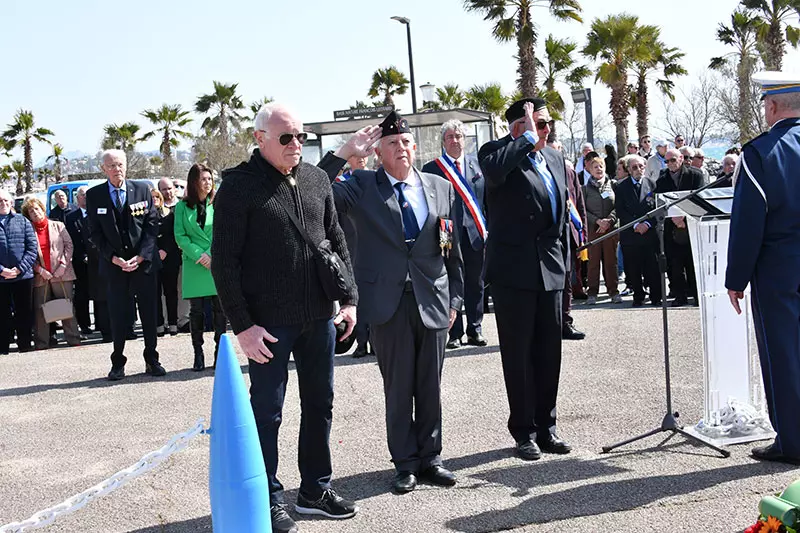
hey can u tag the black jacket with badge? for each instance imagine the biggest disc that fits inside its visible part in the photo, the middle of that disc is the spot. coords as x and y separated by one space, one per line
526 249
125 234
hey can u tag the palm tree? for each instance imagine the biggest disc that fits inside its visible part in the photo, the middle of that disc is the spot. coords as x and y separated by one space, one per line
168 119
653 59
559 66
58 152
226 105
513 20
741 34
121 137
256 106
614 41
772 28
488 98
388 82
19 169
44 175
450 96
23 131
5 173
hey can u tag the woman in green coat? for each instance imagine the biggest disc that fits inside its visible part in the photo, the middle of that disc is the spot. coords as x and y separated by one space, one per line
194 220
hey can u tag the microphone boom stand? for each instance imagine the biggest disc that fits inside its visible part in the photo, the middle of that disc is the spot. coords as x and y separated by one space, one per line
670 422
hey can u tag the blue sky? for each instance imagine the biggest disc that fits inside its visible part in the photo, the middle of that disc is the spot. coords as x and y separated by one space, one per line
81 64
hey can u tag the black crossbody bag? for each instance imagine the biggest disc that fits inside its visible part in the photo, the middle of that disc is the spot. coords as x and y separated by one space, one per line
336 279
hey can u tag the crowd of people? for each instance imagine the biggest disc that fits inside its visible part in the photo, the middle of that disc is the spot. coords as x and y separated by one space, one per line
298 258
58 268
618 190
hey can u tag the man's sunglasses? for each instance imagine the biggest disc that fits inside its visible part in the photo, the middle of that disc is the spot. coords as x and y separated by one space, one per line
286 138
672 160
542 124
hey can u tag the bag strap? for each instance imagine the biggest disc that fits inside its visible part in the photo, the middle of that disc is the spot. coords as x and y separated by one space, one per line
272 188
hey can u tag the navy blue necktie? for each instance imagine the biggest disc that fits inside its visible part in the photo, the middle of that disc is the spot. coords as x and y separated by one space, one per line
410 225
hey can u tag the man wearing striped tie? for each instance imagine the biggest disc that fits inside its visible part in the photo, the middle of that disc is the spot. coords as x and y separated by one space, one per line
464 173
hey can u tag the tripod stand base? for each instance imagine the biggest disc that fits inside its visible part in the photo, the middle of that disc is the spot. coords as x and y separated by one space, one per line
670 423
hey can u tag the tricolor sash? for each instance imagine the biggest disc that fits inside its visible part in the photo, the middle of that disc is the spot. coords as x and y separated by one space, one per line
460 185
575 218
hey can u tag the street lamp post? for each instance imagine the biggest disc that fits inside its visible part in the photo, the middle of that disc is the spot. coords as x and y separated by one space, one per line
428 94
585 96
407 22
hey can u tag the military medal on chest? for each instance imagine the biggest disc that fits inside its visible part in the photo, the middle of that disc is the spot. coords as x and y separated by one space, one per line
445 236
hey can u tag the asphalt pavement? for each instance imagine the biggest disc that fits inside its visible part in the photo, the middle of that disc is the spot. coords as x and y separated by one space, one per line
64 428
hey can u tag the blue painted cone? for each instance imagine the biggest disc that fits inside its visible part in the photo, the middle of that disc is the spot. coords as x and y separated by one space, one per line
237 476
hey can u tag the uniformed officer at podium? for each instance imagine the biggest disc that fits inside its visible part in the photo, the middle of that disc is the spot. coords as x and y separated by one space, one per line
764 251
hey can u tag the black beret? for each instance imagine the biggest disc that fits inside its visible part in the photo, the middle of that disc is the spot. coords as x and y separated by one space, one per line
515 111
394 124
345 345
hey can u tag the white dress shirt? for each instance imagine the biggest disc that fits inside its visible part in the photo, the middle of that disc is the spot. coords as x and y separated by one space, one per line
414 193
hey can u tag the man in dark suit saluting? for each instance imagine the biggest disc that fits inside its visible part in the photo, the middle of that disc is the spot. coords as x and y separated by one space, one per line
124 228
464 173
410 287
525 263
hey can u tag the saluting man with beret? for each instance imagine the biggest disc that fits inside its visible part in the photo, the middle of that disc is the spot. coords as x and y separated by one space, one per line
764 252
525 263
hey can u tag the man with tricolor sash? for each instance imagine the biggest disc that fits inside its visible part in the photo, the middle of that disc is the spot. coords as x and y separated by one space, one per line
464 173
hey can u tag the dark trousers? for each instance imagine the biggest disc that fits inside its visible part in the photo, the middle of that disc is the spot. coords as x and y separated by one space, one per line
529 327
19 296
473 290
168 285
197 320
776 316
641 263
312 345
102 322
410 358
80 295
681 266
362 329
124 289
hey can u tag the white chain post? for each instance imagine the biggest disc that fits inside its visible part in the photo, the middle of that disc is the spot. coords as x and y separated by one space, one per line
123 477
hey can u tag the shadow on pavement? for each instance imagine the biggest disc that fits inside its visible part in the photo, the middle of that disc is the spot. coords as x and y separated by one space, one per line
184 374
593 498
202 523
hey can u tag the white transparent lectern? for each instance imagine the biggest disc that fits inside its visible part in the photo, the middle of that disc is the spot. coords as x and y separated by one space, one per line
735 406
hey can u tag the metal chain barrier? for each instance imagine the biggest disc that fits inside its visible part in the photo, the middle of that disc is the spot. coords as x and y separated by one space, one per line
123 477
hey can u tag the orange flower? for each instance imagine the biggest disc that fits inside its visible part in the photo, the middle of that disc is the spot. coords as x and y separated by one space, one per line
772 525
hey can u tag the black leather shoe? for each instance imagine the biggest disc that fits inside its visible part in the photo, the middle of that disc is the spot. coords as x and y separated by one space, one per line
771 453
404 482
528 451
550 443
477 340
86 331
655 303
199 360
155 370
679 302
580 296
360 351
638 303
131 335
452 344
570 333
438 475
116 374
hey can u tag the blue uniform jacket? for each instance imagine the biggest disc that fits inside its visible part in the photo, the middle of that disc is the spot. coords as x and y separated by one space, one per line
765 220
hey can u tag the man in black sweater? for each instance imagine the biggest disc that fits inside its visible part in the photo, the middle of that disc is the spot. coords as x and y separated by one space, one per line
268 285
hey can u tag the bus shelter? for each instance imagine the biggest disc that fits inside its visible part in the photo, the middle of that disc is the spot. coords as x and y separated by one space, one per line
425 126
